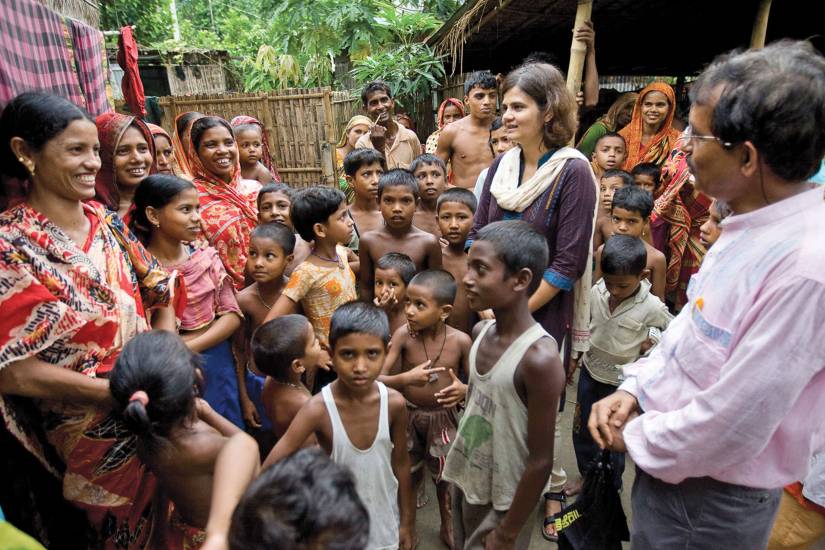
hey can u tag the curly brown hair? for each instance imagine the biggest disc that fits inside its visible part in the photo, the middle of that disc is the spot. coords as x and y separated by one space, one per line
545 84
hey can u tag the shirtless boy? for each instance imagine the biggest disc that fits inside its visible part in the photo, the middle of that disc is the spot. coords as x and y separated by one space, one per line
610 182
362 169
464 143
397 198
431 173
425 361
456 208
630 215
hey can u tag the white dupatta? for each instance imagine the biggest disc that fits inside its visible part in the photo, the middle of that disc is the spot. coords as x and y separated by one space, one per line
517 198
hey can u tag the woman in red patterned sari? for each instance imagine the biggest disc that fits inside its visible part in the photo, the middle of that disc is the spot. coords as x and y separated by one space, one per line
229 211
76 286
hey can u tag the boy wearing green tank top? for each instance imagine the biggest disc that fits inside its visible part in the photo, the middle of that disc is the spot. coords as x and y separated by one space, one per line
503 451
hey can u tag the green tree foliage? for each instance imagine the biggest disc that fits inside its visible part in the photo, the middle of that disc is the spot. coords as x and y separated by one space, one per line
150 17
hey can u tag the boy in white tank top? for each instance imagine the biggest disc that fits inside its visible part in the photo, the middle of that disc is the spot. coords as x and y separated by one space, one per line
362 424
503 451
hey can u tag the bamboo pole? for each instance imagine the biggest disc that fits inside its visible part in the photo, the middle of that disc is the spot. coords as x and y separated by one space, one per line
578 49
760 24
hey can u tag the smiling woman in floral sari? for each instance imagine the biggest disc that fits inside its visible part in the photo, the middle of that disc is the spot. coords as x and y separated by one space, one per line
229 210
76 286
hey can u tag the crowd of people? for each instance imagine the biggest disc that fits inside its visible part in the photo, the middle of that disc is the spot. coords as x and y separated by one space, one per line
193 353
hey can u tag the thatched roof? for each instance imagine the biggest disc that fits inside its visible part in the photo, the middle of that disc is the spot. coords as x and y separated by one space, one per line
652 37
87 11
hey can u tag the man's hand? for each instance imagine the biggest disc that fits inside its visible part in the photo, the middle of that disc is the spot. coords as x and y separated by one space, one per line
378 135
571 370
586 34
609 415
453 394
495 540
250 413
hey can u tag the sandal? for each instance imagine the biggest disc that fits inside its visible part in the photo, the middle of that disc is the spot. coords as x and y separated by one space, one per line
551 519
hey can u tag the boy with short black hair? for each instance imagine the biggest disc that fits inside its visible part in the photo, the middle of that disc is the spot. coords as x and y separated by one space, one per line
610 181
503 452
324 280
283 350
626 321
710 231
426 359
609 153
303 501
464 142
456 208
271 247
431 173
630 215
375 452
398 144
274 201
362 170
648 176
397 199
393 272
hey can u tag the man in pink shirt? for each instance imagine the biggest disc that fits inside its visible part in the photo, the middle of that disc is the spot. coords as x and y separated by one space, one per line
729 407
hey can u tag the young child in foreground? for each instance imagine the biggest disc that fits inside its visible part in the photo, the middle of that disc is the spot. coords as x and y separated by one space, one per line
283 349
648 176
610 182
393 273
274 202
305 501
324 281
630 216
270 251
503 452
431 174
609 153
167 220
397 198
179 436
456 208
424 363
363 168
626 321
343 418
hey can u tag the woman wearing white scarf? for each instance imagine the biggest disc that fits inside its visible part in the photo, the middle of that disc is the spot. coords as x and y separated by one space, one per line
553 188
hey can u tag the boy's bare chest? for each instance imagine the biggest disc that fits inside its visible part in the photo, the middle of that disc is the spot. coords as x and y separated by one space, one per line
443 353
412 245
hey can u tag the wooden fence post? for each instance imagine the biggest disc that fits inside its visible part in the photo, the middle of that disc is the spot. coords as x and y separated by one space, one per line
760 24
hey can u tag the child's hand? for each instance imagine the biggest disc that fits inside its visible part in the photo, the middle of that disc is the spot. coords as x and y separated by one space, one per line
250 413
453 394
202 408
487 315
646 346
387 299
324 359
495 540
406 539
420 374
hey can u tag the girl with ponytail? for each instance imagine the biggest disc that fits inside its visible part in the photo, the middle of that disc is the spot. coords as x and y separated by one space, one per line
179 436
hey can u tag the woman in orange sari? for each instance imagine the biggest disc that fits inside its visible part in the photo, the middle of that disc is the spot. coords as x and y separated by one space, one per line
650 135
180 141
229 211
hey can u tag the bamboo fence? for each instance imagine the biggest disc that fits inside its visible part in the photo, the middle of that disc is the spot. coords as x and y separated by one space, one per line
299 123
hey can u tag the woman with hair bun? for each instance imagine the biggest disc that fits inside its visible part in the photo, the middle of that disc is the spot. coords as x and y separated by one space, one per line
76 286
552 187
179 436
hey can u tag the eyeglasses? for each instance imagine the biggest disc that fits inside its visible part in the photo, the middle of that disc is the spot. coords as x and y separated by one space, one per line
688 136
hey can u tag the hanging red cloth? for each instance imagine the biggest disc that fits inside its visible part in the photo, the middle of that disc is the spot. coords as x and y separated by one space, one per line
132 85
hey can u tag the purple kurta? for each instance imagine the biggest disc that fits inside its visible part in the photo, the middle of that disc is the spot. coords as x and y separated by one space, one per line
566 220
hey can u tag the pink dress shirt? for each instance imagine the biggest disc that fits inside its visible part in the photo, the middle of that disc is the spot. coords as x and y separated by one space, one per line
736 388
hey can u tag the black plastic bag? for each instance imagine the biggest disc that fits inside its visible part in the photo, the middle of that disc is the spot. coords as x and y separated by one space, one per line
596 520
